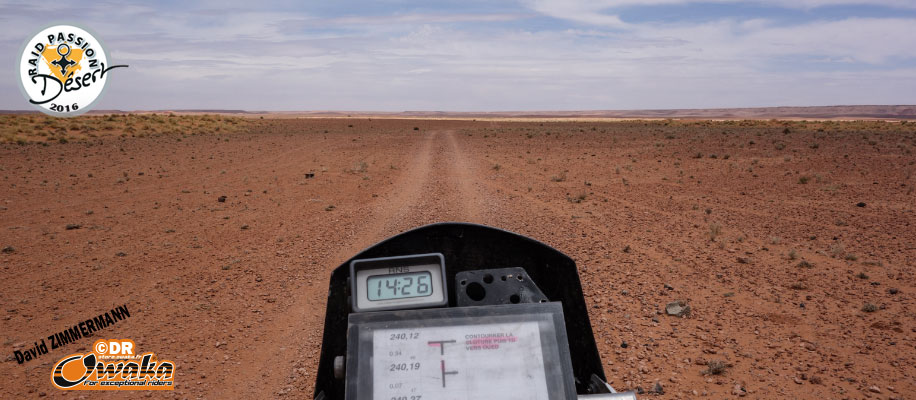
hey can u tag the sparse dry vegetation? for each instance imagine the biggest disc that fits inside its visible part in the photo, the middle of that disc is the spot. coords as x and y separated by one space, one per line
40 128
715 367
714 231
358 168
577 199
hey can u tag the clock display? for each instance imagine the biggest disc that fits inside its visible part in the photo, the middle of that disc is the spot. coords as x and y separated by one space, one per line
399 286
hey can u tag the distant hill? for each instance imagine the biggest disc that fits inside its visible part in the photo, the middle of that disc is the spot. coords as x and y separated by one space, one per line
819 112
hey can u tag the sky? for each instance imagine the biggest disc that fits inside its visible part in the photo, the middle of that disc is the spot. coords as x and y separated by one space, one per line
470 55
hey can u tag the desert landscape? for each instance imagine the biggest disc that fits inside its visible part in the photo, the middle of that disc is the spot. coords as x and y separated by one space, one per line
792 242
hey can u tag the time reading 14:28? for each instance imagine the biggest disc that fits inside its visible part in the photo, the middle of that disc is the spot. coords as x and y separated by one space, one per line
399 286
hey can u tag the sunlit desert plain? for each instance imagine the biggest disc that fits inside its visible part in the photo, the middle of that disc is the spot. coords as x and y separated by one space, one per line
792 242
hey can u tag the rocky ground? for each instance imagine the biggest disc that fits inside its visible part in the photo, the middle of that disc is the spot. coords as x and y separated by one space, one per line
793 244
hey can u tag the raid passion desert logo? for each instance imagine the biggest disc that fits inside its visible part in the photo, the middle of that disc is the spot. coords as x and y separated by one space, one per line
63 70
113 364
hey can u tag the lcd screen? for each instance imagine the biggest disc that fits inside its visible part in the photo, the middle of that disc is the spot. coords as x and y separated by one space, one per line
399 286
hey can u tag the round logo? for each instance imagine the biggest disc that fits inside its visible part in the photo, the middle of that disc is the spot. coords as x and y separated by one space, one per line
63 70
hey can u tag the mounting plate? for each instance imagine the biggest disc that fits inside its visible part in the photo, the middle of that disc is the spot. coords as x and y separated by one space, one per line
496 286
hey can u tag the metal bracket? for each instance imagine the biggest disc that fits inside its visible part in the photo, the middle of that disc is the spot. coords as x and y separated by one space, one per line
486 287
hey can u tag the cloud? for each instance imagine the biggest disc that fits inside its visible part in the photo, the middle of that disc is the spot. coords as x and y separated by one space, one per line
410 57
864 40
602 12
425 18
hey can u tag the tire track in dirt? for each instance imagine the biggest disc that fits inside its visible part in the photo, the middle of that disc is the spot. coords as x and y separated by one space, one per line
296 335
438 185
472 200
400 203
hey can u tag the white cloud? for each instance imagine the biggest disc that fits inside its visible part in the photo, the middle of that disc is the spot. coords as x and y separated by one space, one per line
272 60
866 40
601 12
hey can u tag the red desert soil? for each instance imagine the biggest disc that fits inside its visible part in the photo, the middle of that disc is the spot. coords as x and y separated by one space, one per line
776 234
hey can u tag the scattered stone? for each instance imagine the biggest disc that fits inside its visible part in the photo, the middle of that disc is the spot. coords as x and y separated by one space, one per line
667 286
9 250
860 204
245 227
891 290
678 308
624 345
71 227
658 389
742 260
798 380
221 199
330 208
874 389
310 175
739 390
121 254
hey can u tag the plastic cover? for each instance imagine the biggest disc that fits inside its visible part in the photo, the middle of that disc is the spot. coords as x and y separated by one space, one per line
510 352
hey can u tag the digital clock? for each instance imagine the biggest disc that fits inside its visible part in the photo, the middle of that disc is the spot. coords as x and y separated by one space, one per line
400 286
397 283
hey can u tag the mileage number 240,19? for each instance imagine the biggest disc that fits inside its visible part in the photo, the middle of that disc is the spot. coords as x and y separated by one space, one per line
414 366
405 367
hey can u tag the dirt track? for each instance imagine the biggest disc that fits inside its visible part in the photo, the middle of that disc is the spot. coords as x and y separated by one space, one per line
233 291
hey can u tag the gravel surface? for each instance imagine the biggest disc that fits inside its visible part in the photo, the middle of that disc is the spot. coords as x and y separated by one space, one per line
775 234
